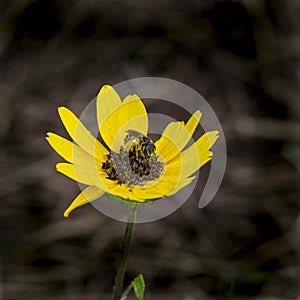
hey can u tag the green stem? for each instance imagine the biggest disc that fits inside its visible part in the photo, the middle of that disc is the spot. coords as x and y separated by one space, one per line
126 292
119 279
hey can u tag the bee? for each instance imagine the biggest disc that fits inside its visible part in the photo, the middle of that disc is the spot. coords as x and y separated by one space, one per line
138 145
137 155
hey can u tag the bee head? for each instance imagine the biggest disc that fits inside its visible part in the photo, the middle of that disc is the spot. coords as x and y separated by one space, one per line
148 149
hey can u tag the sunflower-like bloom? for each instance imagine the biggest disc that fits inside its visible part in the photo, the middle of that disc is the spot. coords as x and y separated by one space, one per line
132 166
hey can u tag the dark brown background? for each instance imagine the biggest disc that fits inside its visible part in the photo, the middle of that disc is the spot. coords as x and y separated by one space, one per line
242 56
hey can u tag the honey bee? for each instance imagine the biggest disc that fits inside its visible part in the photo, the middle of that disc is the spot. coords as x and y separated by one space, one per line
138 145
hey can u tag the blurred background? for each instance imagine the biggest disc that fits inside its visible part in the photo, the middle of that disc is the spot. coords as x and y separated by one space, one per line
243 57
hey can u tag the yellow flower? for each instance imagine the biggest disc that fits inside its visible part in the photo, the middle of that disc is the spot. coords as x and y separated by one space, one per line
132 167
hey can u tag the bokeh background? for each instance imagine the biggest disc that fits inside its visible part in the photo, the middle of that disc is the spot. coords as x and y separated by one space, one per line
243 57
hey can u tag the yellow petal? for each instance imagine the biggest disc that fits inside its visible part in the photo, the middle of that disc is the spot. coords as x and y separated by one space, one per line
77 173
197 155
173 140
159 190
162 186
88 176
176 136
97 178
89 194
149 194
107 101
125 192
193 122
180 185
131 114
134 114
69 151
80 134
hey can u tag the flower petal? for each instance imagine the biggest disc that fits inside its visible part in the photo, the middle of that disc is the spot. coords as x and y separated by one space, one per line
166 149
180 185
88 176
125 192
193 122
162 186
197 155
89 194
69 151
80 134
77 173
97 178
173 140
133 111
131 114
107 101
176 136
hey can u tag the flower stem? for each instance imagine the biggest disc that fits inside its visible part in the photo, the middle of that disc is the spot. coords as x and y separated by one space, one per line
119 279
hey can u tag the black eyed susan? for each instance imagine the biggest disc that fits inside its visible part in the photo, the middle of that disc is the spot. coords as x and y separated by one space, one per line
132 166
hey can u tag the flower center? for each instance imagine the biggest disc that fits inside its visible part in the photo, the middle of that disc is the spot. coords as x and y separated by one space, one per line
135 163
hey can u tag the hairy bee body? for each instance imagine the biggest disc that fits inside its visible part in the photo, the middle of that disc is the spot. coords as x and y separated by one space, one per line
140 150
139 145
135 163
